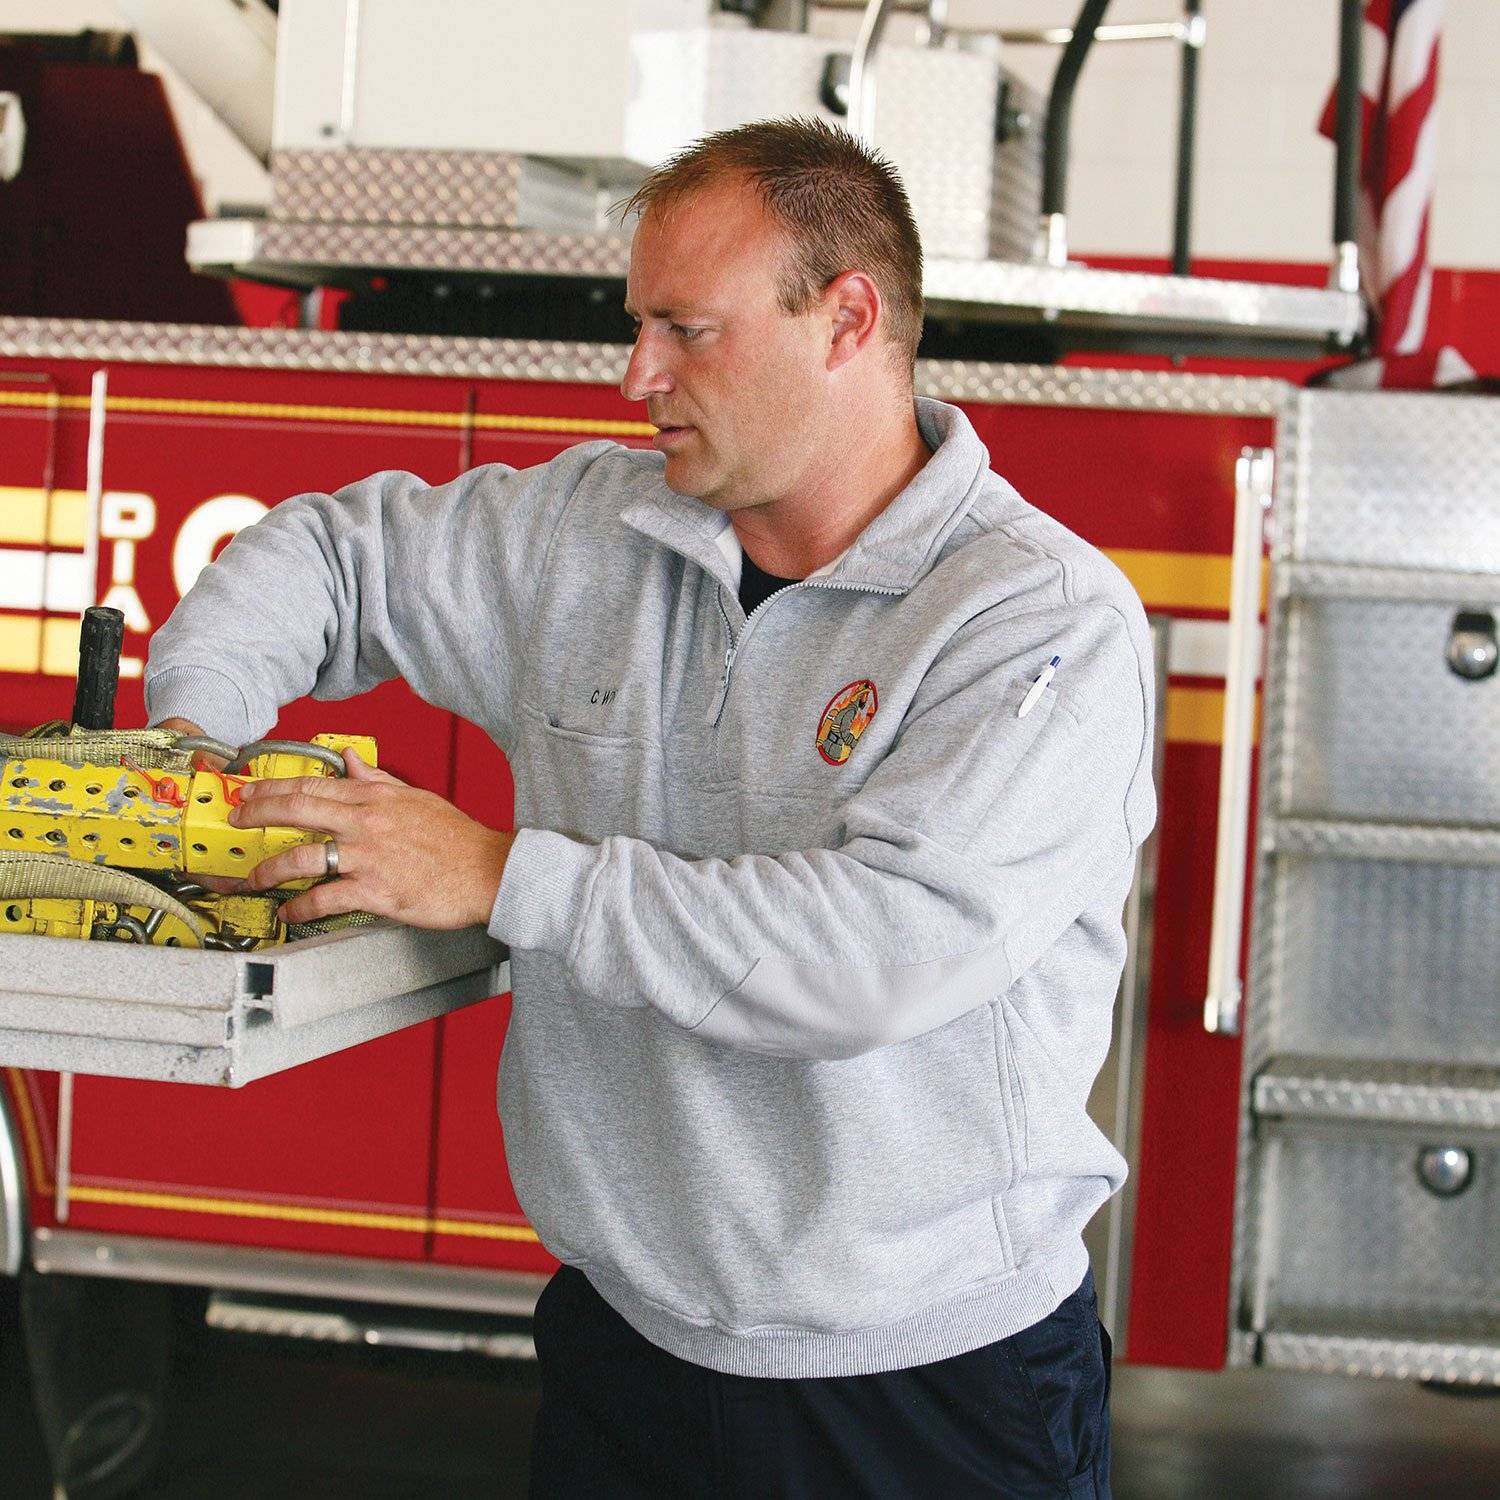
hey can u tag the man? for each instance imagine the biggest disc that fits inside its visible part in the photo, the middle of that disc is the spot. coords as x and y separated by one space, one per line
808 1002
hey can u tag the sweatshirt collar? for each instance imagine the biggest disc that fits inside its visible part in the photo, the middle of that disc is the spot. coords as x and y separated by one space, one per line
892 552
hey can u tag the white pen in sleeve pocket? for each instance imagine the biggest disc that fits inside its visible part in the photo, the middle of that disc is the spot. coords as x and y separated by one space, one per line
1037 688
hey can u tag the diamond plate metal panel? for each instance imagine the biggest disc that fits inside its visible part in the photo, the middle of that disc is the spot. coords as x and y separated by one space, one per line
1376 935
1330 839
536 359
1387 960
1393 585
304 349
934 116
470 189
1016 193
1114 390
1397 479
1383 729
1402 1359
301 248
1357 1245
1380 1092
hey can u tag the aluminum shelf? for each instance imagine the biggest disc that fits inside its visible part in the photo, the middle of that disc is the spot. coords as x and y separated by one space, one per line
1121 303
1323 580
1346 838
309 254
187 1016
1378 1093
1142 299
1454 1361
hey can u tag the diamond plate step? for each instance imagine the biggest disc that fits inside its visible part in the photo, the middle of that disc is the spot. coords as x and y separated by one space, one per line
1454 1361
1347 838
1379 1093
1322 580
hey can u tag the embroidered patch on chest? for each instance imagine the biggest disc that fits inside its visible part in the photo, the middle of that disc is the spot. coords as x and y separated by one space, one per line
848 713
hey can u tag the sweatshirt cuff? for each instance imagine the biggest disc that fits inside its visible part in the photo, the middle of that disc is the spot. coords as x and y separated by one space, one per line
544 891
204 697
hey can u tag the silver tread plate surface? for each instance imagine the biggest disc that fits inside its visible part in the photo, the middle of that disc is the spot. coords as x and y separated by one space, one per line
305 253
1451 1361
1379 1092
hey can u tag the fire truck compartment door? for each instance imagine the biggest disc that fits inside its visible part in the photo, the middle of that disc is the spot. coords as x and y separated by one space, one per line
186 1016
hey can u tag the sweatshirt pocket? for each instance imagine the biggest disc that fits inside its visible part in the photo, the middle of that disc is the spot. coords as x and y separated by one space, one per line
587 784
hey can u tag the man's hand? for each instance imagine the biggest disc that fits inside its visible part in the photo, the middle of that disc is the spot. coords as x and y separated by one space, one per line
403 853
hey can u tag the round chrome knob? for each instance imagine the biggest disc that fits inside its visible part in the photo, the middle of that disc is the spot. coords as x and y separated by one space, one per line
1473 651
1445 1170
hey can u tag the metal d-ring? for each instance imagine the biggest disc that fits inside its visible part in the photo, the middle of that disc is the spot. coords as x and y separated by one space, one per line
122 923
246 753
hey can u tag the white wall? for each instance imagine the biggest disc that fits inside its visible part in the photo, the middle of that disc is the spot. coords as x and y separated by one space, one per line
1264 182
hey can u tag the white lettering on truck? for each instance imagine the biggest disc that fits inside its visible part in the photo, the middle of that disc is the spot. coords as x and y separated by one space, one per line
206 526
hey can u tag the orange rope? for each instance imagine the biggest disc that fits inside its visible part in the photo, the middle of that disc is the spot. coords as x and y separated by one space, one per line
163 790
231 788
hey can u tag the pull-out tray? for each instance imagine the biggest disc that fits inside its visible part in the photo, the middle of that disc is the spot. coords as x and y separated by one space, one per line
187 1016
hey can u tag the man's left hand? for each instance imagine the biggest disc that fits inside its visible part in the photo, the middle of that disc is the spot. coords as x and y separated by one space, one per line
403 853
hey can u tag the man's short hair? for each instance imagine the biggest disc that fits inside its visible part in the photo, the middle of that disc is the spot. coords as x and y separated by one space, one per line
840 202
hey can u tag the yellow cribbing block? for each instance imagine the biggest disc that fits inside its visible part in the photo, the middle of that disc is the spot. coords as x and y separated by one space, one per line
213 846
169 820
102 814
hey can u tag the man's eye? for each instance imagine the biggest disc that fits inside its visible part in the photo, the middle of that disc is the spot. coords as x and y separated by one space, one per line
685 333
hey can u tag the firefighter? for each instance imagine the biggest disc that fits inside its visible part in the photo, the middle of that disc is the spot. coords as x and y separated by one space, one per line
832 756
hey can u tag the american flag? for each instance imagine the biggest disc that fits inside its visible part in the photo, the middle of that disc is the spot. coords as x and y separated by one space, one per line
1398 159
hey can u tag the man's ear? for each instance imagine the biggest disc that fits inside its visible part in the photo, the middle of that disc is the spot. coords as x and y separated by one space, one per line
852 302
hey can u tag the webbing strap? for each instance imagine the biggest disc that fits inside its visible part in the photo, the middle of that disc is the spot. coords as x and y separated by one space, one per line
29 876
153 748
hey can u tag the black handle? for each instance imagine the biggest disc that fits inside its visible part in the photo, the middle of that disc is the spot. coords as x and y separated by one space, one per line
98 667
1348 113
1060 106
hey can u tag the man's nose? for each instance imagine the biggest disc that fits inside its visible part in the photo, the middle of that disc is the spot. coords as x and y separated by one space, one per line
646 375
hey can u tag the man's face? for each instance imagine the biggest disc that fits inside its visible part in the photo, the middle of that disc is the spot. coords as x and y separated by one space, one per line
737 386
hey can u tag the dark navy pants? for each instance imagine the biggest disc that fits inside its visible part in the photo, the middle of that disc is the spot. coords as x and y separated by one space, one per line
1028 1416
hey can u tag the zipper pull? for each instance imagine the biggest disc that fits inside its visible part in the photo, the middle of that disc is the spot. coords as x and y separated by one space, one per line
728 665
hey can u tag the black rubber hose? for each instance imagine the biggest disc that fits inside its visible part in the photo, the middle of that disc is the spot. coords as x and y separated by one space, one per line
1060 107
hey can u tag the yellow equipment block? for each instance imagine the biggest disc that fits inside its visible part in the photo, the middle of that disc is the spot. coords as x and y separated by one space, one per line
213 845
102 814
244 916
78 918
133 820
74 919
136 819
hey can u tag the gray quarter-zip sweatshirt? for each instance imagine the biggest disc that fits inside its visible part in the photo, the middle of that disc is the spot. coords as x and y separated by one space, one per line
815 935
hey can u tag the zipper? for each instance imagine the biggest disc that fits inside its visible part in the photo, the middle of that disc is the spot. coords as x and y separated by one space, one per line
736 643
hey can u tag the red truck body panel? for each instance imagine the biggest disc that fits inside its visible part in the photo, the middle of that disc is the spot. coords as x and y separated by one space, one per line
393 1149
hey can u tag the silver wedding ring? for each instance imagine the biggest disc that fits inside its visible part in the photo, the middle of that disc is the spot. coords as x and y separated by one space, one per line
330 858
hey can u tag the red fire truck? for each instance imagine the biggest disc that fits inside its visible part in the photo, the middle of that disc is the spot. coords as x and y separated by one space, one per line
131 451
